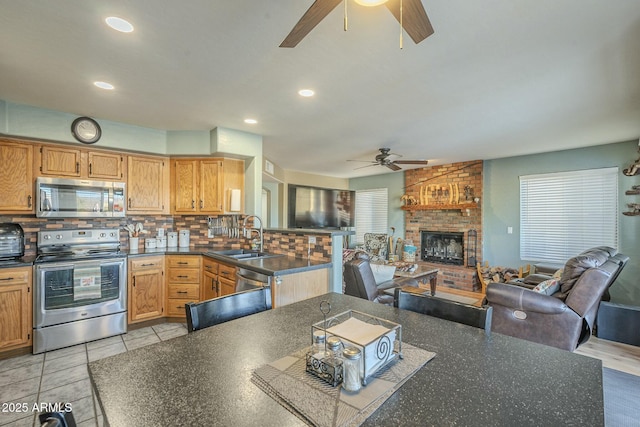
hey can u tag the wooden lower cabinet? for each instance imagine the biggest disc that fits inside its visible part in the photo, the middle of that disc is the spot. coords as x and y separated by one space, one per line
210 286
291 288
146 288
219 279
15 308
183 283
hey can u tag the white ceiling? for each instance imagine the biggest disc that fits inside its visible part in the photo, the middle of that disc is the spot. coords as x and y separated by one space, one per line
498 78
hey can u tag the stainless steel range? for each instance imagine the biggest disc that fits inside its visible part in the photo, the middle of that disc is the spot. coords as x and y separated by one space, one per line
80 290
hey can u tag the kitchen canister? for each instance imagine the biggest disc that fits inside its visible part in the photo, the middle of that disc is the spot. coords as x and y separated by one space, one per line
183 238
172 239
150 243
161 241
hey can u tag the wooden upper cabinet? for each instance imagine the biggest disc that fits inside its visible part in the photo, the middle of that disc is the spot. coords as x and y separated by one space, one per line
233 178
196 186
68 162
16 177
185 175
210 186
147 184
106 165
60 161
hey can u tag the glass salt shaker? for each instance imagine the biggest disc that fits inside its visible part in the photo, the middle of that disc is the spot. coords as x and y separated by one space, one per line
318 349
352 379
333 347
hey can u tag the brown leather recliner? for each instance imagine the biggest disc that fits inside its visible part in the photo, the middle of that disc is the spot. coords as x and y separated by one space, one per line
359 281
564 319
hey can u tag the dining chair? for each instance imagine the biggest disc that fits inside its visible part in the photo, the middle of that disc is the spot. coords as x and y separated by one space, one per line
479 317
211 312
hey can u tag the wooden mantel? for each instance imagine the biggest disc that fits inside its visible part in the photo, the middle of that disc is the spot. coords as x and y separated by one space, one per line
459 206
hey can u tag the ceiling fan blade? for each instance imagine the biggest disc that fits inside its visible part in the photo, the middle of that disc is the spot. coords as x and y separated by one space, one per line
392 166
312 17
362 161
414 18
366 166
412 162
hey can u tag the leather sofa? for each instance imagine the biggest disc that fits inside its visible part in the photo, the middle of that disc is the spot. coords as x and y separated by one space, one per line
546 271
564 319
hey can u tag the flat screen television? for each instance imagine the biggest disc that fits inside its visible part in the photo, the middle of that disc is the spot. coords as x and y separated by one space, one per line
313 207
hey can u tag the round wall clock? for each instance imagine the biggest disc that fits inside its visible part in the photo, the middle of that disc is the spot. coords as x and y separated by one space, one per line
86 130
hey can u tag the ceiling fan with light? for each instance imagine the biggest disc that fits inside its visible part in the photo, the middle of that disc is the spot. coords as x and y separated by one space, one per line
383 159
409 13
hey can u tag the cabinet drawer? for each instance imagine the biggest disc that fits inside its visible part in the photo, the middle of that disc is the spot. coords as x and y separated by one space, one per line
184 291
146 262
13 276
184 261
227 272
210 266
176 307
184 275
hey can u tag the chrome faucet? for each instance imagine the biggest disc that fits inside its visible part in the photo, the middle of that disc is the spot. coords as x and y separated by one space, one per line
247 233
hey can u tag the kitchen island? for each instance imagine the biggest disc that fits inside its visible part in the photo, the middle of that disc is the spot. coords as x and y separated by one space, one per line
204 378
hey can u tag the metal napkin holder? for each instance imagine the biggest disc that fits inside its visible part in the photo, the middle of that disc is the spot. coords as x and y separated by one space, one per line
376 353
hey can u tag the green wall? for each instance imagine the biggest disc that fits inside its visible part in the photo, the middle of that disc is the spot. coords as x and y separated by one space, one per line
501 209
394 182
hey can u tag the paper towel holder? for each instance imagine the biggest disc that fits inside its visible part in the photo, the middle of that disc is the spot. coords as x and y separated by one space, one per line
236 203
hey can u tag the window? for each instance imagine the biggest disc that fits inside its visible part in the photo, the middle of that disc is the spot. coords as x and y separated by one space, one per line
371 212
564 213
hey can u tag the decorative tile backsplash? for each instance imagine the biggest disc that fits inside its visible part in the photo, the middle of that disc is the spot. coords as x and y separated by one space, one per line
275 242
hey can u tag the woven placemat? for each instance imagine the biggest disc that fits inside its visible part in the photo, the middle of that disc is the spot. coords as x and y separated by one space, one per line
318 404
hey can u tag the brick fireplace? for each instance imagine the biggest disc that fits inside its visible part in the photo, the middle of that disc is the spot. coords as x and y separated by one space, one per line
444 203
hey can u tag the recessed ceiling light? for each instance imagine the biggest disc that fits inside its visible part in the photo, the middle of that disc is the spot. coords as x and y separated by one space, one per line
306 92
119 24
251 121
104 85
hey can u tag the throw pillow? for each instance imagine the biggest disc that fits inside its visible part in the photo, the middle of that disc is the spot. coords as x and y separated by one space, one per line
548 287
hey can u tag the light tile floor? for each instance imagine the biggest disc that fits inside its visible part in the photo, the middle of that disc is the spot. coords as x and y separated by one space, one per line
62 376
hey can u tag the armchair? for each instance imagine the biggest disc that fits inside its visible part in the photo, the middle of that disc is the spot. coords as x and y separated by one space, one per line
564 319
360 282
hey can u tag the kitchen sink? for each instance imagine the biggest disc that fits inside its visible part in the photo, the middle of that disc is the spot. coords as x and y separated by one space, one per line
241 254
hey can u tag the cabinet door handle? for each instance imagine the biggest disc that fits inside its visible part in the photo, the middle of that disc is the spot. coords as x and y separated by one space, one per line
146 265
7 278
29 198
201 204
193 204
182 292
213 284
77 167
129 203
182 277
182 263
90 168
134 281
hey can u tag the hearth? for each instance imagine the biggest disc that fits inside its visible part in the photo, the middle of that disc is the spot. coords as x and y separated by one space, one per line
446 248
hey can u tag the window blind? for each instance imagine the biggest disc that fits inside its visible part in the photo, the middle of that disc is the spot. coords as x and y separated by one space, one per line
371 212
564 213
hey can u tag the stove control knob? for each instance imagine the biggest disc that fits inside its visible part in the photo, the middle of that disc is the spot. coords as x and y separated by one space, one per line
113 234
103 234
46 237
58 236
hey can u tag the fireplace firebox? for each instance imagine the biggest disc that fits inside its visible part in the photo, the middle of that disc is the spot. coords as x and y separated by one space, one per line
446 248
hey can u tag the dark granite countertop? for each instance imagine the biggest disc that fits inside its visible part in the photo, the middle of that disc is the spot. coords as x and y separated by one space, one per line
271 266
204 378
25 261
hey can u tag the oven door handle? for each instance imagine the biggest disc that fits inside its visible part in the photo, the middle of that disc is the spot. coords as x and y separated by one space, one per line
56 267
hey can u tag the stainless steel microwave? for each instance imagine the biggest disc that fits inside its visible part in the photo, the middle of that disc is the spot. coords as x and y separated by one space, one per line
79 198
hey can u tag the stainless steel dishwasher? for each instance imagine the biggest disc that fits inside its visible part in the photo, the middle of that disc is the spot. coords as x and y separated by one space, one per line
249 279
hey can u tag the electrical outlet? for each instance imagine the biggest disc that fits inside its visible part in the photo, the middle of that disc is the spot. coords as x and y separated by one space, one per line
312 240
210 233
509 230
